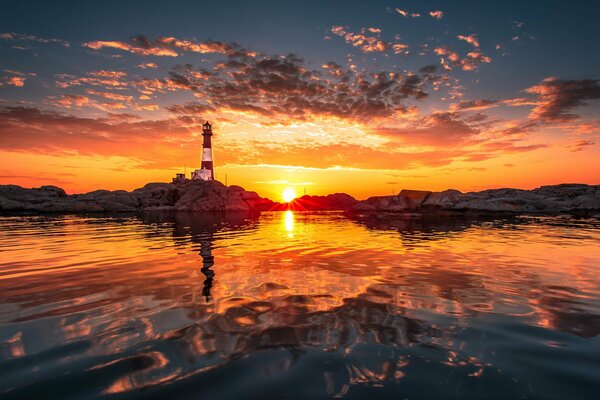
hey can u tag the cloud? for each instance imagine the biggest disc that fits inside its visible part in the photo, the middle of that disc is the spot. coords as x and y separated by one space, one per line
147 65
470 62
440 129
285 87
108 74
557 98
367 40
471 39
33 130
136 49
406 14
31 38
470 105
400 48
70 100
169 46
145 142
436 14
107 79
432 140
110 96
17 81
580 145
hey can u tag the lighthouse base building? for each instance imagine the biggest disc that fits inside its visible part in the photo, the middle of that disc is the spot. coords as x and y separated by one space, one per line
203 173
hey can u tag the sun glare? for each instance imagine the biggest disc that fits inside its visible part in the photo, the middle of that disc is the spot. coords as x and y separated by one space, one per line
288 195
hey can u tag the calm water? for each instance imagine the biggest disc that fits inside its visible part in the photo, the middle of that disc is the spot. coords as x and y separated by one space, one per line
298 306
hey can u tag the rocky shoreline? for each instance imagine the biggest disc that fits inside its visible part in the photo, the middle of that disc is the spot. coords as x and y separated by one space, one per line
213 196
576 199
202 196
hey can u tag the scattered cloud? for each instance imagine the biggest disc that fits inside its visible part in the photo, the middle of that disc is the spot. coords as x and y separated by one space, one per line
31 38
450 59
17 81
557 98
147 65
367 40
37 131
471 39
112 79
407 14
70 101
285 87
169 46
110 96
436 14
580 145
471 105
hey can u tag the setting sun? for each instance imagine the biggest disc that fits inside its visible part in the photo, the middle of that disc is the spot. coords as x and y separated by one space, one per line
288 195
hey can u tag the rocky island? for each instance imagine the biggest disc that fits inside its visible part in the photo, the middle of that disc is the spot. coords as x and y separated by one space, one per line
213 196
195 195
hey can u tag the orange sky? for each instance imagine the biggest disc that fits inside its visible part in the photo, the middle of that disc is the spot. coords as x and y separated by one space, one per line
362 111
270 159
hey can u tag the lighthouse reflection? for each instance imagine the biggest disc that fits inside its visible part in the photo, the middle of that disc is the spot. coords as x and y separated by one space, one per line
208 261
202 229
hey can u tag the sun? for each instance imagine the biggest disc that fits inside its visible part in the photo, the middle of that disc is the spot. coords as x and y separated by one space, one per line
288 195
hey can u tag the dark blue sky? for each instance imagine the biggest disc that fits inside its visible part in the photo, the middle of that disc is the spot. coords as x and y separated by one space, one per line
564 45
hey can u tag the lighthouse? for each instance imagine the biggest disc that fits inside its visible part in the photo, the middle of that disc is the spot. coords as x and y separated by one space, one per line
206 172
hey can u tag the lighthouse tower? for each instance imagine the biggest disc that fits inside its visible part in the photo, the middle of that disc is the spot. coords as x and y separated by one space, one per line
205 172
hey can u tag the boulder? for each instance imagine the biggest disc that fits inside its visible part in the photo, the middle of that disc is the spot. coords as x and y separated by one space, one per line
444 199
412 199
237 205
156 195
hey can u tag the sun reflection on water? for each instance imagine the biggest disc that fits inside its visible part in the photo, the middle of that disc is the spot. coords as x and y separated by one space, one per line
288 221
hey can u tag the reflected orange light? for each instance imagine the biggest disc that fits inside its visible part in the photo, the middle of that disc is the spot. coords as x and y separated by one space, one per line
289 222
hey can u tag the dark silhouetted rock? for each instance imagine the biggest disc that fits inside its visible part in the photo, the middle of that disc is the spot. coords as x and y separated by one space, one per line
335 201
205 196
211 196
565 198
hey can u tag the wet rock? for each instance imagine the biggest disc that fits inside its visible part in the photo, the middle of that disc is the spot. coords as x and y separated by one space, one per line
412 199
570 198
444 199
156 195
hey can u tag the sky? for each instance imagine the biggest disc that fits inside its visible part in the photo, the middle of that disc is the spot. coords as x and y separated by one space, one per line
327 96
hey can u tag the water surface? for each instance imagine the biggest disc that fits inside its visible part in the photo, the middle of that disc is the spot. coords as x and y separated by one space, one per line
304 305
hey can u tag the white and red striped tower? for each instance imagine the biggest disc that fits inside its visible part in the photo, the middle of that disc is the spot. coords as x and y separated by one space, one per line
207 160
206 171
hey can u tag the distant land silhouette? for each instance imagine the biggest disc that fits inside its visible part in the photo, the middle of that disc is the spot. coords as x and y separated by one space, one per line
213 196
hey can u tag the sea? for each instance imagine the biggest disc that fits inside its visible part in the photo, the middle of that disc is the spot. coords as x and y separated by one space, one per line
299 305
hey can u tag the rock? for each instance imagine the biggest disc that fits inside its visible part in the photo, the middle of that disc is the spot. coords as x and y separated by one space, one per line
156 195
213 196
250 196
335 201
571 198
412 199
53 191
444 199
364 206
236 205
